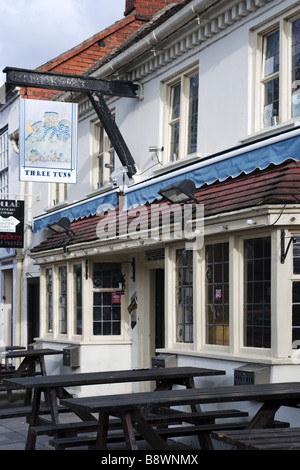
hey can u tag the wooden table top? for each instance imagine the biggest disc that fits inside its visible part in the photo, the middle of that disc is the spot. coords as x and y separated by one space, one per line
261 439
284 393
106 377
33 352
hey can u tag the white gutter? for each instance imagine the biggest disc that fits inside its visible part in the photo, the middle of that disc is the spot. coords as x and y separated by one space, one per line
188 13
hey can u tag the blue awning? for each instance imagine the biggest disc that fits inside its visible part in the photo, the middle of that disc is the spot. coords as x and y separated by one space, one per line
244 159
77 210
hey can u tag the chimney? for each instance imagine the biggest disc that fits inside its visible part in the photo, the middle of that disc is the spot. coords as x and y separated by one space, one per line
147 7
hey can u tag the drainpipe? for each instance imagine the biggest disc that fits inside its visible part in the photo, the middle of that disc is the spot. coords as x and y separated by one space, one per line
188 13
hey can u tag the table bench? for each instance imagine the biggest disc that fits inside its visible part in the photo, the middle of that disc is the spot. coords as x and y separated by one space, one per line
130 408
261 439
53 386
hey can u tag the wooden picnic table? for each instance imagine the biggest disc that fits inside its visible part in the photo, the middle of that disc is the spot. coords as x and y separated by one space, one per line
53 386
261 439
28 365
130 407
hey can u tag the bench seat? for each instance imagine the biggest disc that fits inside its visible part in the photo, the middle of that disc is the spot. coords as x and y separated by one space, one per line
169 415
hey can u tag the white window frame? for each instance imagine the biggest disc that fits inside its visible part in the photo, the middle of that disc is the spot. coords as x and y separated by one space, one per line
283 24
182 79
101 158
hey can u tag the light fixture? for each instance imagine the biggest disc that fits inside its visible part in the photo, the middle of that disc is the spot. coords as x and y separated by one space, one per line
63 226
180 192
154 148
251 222
223 227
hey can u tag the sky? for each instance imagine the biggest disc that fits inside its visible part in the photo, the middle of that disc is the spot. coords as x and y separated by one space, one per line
35 31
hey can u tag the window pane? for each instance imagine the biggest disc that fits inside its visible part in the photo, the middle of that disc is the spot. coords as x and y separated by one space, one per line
257 292
77 270
271 45
175 101
217 293
49 301
193 114
296 68
271 85
63 299
184 296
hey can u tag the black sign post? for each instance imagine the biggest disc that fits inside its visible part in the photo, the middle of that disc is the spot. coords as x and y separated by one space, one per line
11 223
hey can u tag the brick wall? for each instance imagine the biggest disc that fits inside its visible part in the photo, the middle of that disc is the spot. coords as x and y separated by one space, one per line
147 7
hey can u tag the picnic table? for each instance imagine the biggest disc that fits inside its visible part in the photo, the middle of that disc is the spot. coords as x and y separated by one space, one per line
261 439
130 408
5 349
28 364
54 387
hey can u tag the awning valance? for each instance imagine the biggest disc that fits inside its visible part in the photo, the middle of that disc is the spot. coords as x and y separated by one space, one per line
218 167
77 210
221 166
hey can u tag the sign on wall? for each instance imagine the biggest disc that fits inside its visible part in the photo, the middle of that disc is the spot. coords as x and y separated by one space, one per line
11 223
48 141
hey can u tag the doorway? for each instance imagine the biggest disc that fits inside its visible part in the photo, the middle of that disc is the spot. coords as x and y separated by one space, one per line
33 313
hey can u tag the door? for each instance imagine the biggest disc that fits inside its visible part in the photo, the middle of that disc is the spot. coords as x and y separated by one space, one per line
33 314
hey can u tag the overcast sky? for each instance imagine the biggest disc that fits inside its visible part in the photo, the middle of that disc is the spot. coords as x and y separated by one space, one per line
35 31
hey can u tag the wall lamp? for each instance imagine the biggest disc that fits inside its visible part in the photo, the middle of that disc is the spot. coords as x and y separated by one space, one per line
63 226
180 192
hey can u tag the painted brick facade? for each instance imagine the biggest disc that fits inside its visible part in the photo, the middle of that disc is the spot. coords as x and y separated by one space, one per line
79 59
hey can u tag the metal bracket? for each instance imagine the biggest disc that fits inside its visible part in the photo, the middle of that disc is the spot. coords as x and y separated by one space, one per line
68 82
113 132
283 251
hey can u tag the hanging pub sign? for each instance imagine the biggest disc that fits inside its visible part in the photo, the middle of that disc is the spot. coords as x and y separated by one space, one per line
48 141
11 223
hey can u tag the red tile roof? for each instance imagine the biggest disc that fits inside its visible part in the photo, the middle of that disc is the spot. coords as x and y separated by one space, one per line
274 185
80 60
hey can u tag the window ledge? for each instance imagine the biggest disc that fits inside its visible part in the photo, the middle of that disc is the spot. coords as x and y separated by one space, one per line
177 164
263 358
269 131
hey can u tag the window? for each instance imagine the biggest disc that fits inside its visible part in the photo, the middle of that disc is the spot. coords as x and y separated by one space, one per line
217 293
257 292
296 294
77 285
104 157
278 98
107 284
184 296
183 116
49 301
4 161
271 78
62 299
296 68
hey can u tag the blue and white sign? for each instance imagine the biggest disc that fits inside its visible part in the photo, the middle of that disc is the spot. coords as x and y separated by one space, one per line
48 141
